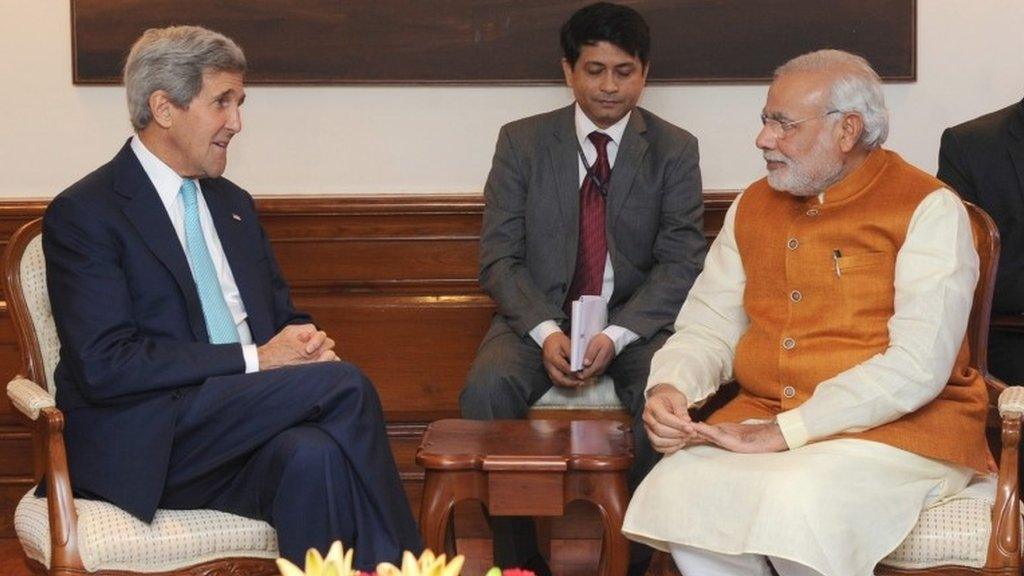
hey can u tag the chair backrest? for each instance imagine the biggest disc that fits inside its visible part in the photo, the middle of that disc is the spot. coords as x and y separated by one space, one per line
29 304
986 242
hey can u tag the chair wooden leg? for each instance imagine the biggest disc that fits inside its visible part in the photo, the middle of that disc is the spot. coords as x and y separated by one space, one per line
609 494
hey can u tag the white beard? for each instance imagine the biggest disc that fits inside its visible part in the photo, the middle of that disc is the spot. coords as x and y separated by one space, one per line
810 176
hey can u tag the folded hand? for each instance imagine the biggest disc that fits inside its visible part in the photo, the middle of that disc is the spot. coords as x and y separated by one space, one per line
745 438
667 420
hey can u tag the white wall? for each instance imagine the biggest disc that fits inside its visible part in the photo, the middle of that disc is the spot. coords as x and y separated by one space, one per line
309 140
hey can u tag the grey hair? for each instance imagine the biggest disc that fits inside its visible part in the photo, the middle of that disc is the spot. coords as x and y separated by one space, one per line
855 88
174 59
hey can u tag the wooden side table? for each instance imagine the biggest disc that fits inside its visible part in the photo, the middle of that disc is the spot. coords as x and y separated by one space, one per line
528 468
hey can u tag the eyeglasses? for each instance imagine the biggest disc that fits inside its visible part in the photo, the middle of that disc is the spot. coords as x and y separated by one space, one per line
782 127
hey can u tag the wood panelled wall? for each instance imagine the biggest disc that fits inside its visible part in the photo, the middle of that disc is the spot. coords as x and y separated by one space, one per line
392 279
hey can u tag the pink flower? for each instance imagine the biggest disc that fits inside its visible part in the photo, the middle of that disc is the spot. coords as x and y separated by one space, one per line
517 572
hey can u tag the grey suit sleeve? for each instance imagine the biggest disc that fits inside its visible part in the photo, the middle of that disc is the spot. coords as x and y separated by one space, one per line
952 167
678 250
503 274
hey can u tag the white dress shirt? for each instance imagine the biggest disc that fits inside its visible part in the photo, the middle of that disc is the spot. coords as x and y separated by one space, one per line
619 335
168 185
936 271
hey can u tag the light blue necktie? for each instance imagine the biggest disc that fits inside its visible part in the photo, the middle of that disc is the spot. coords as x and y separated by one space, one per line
219 323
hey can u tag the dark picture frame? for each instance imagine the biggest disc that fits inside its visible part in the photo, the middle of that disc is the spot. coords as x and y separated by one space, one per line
495 42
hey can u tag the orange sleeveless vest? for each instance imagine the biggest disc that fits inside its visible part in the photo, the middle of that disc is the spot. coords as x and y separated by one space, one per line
808 322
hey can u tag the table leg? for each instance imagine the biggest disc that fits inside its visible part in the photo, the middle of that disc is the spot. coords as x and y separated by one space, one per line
608 492
436 510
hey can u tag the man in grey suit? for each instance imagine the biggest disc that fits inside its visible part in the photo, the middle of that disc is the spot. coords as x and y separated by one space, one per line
601 198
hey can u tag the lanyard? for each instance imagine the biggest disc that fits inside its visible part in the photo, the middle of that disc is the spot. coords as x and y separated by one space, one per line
601 185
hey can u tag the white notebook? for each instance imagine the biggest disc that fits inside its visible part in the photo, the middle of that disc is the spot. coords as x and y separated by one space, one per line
589 318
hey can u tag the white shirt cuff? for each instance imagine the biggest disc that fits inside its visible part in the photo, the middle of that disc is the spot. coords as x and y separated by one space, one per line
620 336
252 358
794 431
541 331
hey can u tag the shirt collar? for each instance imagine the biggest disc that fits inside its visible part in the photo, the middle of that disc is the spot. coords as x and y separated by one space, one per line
166 181
584 126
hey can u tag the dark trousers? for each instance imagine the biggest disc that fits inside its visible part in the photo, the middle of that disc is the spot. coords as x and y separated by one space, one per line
508 376
303 448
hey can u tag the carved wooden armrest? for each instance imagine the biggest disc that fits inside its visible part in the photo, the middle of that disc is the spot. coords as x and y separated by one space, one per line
1011 400
1004 547
28 397
32 401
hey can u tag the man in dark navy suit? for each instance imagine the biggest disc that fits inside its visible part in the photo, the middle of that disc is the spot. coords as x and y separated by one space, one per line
186 376
983 160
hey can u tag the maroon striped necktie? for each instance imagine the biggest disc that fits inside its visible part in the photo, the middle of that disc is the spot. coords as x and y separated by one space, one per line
593 247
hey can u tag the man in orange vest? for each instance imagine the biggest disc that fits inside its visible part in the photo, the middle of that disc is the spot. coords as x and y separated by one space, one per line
837 295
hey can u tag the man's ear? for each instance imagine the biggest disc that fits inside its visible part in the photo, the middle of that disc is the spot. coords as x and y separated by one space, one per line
160 106
567 71
851 128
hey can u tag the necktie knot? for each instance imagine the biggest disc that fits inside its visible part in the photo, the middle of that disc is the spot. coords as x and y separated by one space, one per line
600 141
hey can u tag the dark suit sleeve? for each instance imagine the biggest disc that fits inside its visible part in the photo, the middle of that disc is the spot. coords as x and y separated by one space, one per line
503 274
92 308
678 250
953 168
284 310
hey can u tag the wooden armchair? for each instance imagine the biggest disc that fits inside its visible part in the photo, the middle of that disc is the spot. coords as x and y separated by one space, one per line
978 533
62 535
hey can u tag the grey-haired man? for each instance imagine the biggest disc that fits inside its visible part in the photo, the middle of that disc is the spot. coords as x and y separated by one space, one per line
187 377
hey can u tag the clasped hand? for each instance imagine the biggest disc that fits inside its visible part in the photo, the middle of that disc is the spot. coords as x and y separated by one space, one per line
296 344
670 428
556 353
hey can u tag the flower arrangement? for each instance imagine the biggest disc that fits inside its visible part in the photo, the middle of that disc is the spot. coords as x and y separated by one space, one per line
426 565
338 562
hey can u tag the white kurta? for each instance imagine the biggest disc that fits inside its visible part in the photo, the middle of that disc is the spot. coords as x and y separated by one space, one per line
838 506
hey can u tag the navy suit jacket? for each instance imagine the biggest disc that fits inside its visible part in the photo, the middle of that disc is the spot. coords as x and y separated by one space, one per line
983 160
133 337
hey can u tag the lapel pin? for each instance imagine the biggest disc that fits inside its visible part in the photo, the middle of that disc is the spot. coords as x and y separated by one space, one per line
236 216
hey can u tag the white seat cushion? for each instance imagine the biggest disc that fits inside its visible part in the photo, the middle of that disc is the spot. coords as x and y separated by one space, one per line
955 531
112 539
597 396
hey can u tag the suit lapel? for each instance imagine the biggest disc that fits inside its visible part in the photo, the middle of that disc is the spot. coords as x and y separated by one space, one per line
631 151
565 166
147 214
1017 145
240 258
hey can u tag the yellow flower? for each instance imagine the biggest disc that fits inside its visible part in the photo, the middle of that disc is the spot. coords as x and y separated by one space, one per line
427 565
337 563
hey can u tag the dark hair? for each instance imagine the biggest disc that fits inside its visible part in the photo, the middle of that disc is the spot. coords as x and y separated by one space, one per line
604 21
